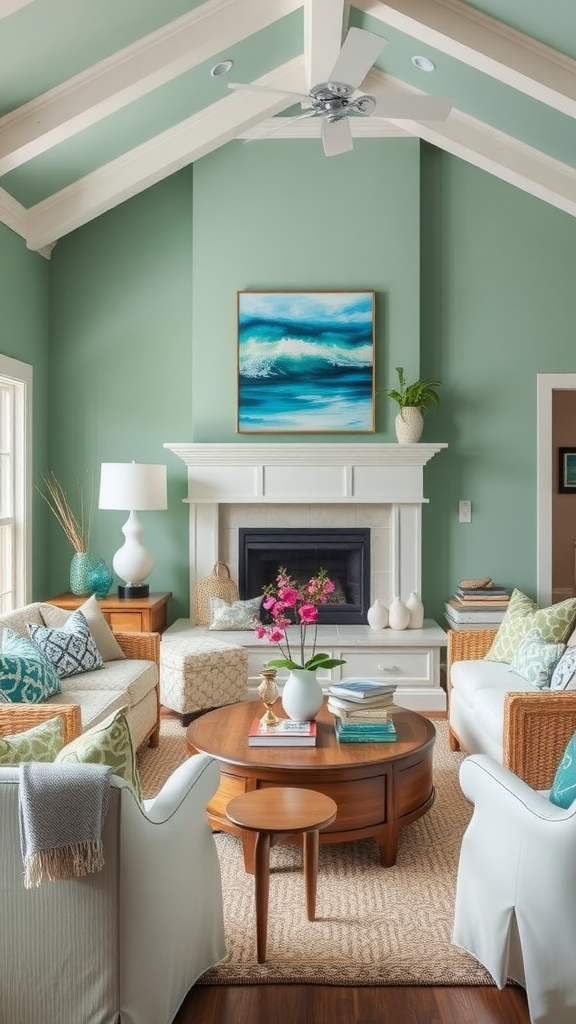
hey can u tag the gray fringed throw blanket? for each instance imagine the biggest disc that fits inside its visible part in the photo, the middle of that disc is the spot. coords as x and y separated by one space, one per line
62 813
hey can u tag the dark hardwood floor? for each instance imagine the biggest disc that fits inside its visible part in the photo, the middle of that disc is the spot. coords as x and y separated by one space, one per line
321 1004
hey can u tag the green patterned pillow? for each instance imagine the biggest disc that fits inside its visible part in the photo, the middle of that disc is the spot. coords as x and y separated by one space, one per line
108 743
563 792
26 676
42 743
238 615
554 625
536 660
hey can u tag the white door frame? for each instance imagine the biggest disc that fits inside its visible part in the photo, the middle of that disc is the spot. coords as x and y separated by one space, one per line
547 383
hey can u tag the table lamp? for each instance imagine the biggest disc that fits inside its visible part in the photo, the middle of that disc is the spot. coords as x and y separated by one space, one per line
133 487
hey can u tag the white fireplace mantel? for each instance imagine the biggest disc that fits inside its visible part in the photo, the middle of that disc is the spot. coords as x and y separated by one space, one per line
298 472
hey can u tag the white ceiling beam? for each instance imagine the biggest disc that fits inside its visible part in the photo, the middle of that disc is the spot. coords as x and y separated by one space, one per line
486 44
325 22
156 159
111 84
493 151
10 6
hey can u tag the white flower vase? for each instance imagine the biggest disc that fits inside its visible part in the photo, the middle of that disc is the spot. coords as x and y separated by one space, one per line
302 696
416 609
409 425
398 615
377 615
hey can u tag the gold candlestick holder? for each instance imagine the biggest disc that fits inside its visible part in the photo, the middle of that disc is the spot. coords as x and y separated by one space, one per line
268 692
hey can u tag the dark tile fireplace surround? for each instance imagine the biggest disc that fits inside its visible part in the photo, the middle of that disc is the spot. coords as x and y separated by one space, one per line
343 552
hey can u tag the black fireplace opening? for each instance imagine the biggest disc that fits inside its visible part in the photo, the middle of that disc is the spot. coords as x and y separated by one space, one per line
343 552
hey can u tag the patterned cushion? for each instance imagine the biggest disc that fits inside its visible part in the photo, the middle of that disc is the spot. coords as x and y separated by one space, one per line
102 635
563 790
41 743
522 615
535 660
239 615
107 743
26 676
564 674
71 649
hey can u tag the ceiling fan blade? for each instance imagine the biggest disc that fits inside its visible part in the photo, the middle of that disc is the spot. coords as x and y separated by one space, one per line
249 87
411 107
359 51
336 136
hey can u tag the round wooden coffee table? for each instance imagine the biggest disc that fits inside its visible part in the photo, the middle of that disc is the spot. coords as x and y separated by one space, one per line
378 787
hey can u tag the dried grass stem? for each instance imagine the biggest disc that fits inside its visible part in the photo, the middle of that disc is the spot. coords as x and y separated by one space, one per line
77 526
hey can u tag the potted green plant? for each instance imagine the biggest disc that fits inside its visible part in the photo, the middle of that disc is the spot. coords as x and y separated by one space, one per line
414 399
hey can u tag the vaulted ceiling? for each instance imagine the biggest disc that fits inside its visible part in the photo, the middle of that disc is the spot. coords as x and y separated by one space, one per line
100 100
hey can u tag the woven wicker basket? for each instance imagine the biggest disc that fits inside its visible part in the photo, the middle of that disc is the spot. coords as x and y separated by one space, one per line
218 584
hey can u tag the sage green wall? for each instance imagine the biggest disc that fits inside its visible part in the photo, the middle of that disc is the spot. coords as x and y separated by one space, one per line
498 306
120 366
277 216
474 286
24 336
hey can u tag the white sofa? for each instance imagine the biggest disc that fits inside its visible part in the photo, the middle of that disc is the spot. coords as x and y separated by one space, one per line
131 682
493 711
123 945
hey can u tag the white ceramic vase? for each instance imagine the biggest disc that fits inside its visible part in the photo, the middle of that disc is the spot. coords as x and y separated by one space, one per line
416 609
302 695
409 425
398 615
377 615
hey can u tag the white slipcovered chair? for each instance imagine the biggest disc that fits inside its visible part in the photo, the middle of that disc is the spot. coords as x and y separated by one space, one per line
516 891
123 945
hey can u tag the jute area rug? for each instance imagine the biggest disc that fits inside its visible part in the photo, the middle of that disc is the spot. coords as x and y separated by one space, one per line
374 925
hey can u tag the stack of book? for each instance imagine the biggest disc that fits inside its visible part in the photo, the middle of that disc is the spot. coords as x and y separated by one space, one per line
361 709
286 733
473 606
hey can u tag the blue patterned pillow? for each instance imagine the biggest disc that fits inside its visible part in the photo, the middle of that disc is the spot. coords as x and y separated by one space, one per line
563 790
535 660
26 677
564 675
71 649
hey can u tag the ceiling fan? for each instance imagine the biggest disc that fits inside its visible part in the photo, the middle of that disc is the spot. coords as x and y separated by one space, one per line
335 101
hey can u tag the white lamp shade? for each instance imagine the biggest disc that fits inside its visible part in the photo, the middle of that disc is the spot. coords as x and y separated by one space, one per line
133 486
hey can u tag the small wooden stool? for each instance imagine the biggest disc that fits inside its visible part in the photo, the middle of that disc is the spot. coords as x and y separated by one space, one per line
275 813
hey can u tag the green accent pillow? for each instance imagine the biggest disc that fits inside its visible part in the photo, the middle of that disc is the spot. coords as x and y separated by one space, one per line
108 743
536 660
26 676
563 790
238 615
71 649
554 625
42 743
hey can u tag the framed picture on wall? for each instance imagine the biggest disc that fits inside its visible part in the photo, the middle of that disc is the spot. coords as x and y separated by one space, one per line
567 470
305 362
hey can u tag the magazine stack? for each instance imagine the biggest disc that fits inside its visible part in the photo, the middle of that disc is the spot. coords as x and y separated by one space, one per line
362 710
477 604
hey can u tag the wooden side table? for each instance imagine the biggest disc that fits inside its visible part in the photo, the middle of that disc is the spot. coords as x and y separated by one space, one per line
125 615
274 814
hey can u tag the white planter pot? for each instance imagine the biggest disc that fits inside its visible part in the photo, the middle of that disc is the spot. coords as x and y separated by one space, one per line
302 695
409 425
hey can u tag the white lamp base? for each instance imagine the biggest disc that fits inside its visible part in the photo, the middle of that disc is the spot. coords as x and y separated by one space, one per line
132 562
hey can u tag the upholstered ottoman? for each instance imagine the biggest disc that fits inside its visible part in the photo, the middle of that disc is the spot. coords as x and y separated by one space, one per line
199 674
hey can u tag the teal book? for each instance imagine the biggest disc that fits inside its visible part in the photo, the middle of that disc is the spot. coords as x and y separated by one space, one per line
383 733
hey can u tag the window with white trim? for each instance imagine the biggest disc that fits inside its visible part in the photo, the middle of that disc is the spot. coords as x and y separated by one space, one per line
15 482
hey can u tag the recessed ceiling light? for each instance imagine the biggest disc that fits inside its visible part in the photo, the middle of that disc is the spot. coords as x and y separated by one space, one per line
222 68
423 63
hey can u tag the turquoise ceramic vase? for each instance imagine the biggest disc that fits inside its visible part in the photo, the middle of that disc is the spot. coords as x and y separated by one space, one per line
81 566
100 579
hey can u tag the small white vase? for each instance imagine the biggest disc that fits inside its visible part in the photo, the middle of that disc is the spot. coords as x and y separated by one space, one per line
409 425
377 615
302 696
416 609
398 614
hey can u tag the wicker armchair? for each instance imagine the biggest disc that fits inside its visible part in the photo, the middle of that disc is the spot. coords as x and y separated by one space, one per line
16 718
537 726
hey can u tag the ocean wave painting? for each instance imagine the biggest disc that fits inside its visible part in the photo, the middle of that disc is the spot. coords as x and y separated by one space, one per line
306 362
